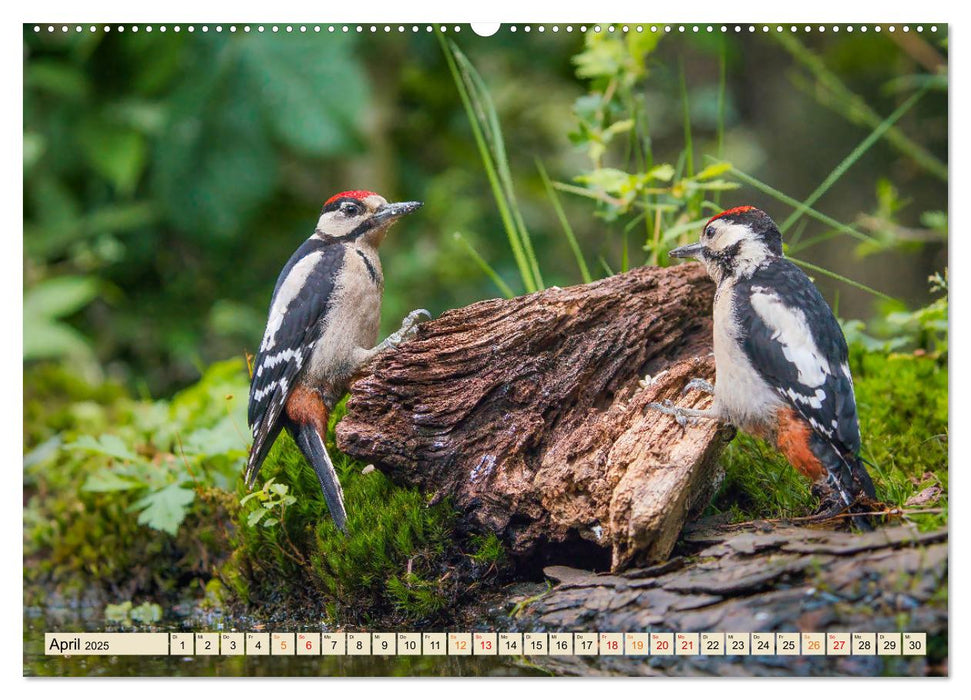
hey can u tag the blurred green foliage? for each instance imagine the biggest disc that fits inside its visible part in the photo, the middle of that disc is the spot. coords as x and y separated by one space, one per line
168 176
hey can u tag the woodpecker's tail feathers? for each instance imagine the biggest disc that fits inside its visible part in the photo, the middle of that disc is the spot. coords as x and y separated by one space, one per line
312 445
262 442
850 480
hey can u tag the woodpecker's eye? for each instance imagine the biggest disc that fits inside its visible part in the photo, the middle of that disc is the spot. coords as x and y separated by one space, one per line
709 232
350 209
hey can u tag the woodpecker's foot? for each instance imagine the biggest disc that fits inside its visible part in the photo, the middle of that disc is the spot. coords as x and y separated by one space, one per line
684 416
700 385
409 327
831 506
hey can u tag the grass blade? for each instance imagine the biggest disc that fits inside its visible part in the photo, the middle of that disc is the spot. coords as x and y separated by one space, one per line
786 199
689 149
854 108
486 267
493 132
567 229
850 159
477 121
841 278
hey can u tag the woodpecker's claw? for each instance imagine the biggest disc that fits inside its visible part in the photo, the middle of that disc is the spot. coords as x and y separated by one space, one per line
684 416
700 385
409 327
668 408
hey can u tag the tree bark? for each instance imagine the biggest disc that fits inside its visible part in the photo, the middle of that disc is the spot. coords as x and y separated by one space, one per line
530 415
760 577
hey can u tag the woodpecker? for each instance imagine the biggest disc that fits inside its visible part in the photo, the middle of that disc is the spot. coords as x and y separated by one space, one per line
781 367
323 325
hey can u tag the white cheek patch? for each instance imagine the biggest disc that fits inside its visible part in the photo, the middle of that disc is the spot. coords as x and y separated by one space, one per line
288 292
726 235
790 329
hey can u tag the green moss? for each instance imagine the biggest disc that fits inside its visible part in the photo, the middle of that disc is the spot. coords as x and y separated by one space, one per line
395 562
902 402
488 549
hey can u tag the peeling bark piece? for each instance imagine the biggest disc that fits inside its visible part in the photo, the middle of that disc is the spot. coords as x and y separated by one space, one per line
529 413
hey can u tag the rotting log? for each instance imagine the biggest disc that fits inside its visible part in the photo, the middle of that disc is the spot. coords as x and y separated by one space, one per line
760 577
530 414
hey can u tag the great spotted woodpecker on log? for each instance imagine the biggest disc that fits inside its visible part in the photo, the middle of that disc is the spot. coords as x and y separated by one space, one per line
781 365
323 325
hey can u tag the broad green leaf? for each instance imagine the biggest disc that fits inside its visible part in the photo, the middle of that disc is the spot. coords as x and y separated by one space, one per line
58 78
256 516
713 170
640 44
44 339
59 296
664 172
165 509
617 128
110 445
105 480
118 154
312 93
607 179
214 164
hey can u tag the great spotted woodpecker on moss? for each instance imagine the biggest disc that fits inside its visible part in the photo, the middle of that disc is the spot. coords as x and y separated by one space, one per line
323 325
781 361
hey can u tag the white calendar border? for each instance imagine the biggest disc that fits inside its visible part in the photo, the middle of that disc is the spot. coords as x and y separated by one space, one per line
514 10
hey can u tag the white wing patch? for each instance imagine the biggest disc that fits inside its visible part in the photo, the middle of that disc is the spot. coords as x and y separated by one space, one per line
288 291
790 329
271 361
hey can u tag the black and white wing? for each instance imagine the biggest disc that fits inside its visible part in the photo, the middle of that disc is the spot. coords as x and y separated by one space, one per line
301 299
794 341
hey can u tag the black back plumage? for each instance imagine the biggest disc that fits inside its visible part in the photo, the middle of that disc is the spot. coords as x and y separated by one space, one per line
277 365
834 421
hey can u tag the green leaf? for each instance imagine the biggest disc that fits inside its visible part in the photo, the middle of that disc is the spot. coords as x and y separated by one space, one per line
713 170
312 92
147 613
214 164
117 613
640 44
106 481
256 516
607 179
110 445
45 339
117 154
59 296
620 127
165 509
664 172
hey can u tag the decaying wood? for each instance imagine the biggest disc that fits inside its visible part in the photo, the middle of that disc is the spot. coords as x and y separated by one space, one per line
531 416
761 578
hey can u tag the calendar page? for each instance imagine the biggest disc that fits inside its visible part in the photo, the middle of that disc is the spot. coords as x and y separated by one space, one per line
512 349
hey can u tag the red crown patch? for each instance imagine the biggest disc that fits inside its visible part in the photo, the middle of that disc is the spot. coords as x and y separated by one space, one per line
729 212
353 194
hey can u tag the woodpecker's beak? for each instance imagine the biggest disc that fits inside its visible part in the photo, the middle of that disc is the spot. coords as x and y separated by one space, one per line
394 211
694 250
